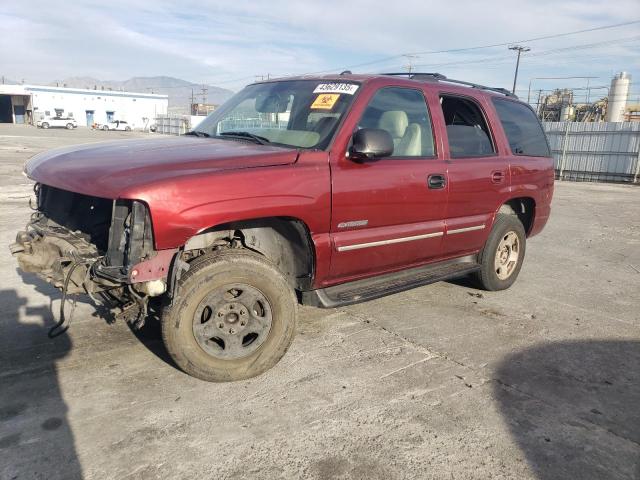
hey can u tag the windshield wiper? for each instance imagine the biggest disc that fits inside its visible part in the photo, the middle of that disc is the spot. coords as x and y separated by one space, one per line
256 138
198 133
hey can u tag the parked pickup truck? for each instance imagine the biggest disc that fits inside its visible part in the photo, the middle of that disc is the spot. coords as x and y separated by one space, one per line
324 191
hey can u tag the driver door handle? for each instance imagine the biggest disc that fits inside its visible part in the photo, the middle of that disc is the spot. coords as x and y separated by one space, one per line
436 181
497 176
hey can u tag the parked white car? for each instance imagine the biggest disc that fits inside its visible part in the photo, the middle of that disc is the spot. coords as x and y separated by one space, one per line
117 125
57 122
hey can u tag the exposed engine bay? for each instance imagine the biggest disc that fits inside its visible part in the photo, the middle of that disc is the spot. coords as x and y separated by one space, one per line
84 244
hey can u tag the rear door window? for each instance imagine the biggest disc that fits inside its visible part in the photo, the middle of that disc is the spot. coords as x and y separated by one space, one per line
467 129
522 128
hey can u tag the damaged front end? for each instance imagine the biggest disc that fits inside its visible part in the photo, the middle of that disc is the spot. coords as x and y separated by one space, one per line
101 247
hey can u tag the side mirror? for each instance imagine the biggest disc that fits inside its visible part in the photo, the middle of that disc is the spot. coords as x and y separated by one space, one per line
371 143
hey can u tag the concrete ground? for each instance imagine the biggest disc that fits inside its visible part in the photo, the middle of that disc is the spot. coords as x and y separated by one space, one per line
442 382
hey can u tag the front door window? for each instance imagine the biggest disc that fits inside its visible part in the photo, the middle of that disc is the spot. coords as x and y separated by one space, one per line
403 113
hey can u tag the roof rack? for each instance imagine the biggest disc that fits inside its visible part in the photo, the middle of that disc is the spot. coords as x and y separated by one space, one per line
442 78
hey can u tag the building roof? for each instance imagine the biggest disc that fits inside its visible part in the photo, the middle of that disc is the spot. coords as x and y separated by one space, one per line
13 90
28 89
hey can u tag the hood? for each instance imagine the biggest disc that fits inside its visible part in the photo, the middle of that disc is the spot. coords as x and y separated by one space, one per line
111 169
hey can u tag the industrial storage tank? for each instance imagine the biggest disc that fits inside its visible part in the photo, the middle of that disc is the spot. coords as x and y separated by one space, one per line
618 97
567 113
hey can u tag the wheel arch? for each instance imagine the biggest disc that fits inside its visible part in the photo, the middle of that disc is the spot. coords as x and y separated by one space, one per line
285 241
524 208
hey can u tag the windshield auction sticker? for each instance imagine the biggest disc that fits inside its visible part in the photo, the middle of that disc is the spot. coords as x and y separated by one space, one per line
325 101
348 88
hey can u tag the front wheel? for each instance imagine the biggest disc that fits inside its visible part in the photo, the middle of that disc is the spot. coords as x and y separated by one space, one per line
45 125
502 256
233 317
105 127
127 129
69 126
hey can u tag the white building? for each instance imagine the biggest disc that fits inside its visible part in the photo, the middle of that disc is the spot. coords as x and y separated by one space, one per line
29 103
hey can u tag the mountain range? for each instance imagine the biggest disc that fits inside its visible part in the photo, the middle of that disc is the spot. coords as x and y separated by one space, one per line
179 91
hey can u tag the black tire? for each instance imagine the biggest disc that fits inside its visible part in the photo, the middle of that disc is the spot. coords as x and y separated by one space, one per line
69 126
212 275
488 277
45 125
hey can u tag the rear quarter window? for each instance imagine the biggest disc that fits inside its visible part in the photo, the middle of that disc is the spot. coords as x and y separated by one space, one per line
522 128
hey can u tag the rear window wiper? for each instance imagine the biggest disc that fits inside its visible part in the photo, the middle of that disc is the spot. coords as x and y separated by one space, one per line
198 133
256 138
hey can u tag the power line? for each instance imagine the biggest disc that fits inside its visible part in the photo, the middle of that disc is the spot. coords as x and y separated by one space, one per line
529 55
546 37
433 52
481 60
504 44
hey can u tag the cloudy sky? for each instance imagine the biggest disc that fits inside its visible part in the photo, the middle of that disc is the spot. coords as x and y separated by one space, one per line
230 43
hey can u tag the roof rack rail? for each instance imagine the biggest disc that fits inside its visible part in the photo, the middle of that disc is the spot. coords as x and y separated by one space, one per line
434 75
440 77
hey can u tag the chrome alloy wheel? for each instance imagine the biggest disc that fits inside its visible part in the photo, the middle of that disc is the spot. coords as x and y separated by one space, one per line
507 255
232 321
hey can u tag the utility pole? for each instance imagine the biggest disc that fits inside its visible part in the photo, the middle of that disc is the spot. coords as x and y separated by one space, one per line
409 65
204 94
519 49
539 107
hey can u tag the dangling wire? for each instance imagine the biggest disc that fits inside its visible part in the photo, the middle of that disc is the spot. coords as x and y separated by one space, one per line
86 280
36 191
142 302
58 329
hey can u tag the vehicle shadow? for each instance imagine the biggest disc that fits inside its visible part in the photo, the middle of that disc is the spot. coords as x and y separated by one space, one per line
467 281
149 335
573 408
36 440
54 294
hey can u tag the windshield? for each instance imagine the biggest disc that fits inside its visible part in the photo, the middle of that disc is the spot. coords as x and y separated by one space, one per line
294 113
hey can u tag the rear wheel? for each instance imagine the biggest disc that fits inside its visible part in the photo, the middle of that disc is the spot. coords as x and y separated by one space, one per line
233 318
105 127
127 129
502 256
69 126
45 125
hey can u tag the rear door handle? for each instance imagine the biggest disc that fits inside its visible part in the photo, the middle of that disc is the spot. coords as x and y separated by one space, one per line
436 181
497 176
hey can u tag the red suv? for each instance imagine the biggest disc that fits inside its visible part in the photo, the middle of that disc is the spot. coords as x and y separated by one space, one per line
324 191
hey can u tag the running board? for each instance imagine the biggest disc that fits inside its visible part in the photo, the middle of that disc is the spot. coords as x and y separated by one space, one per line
382 285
